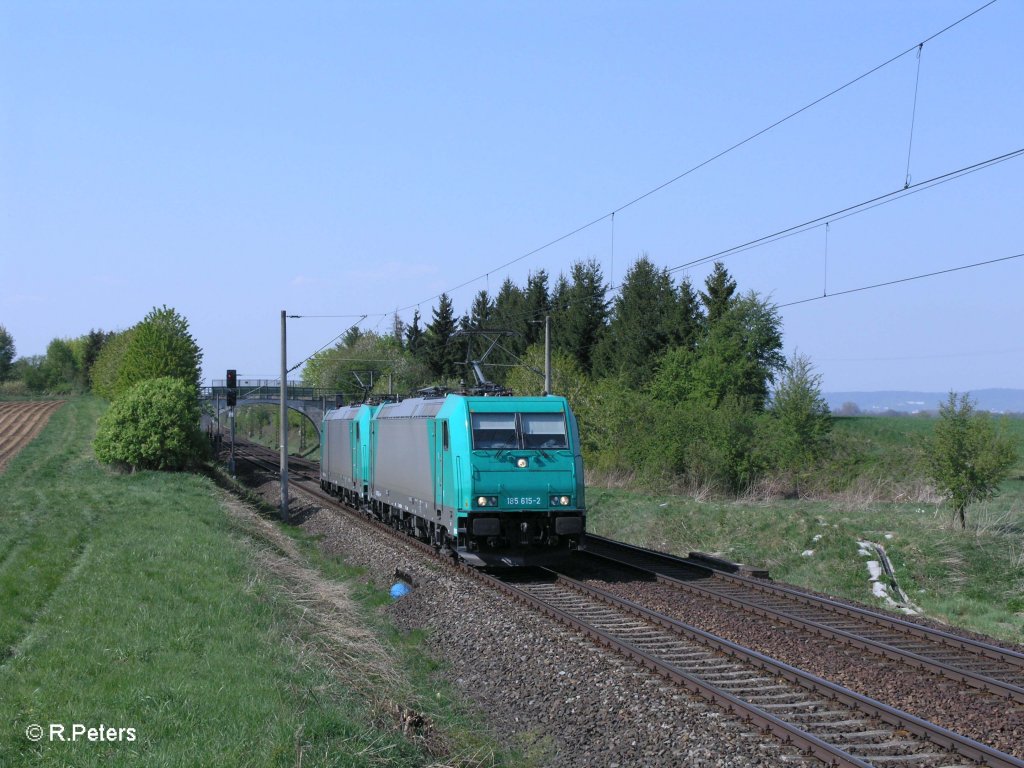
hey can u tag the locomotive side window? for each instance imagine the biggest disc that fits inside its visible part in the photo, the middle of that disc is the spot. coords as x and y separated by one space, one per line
494 430
444 435
544 430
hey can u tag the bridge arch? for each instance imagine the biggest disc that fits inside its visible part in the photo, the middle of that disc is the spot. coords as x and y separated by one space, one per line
314 414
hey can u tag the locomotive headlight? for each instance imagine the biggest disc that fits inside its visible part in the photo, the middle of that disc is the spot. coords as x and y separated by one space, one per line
487 501
560 501
521 462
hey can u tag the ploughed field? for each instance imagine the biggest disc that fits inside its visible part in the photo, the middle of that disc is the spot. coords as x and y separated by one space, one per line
20 422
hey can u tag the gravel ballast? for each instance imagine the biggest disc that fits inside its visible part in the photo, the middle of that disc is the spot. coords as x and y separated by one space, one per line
543 688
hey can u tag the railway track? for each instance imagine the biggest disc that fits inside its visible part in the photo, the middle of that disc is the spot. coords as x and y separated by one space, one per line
832 723
999 671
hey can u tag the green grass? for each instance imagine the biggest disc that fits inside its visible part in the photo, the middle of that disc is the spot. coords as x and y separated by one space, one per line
137 601
972 578
889 447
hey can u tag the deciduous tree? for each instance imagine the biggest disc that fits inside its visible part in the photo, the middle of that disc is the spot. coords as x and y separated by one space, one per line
107 368
160 345
966 456
801 416
6 354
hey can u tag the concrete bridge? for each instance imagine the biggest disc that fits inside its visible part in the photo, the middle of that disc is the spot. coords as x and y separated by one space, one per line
311 402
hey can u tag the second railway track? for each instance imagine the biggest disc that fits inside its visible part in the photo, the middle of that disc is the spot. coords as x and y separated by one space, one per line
988 667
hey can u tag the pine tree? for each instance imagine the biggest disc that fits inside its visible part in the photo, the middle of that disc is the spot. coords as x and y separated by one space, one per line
581 317
414 336
689 322
537 306
398 330
509 315
642 325
719 294
479 319
442 354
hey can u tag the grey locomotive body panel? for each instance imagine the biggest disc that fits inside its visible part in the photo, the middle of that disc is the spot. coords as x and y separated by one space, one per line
402 474
338 464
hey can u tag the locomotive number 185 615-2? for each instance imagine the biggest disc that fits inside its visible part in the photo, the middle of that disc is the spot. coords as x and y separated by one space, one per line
523 501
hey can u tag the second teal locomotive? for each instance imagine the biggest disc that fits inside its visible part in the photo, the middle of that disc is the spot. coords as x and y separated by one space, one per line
493 479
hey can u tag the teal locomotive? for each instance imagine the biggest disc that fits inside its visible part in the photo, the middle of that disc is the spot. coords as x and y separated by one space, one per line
491 479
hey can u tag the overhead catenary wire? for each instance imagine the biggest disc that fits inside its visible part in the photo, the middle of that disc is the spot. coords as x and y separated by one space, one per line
325 346
713 158
860 289
913 114
824 221
836 294
820 221
897 281
611 215
853 210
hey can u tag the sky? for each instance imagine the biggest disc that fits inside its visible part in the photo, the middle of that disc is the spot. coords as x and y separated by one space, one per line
235 159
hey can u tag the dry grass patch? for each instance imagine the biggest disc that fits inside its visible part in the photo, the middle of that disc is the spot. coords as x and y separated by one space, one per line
331 633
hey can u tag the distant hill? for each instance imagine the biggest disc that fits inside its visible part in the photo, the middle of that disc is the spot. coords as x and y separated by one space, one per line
994 400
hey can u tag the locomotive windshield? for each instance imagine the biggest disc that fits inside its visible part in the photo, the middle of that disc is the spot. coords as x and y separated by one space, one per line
543 430
492 431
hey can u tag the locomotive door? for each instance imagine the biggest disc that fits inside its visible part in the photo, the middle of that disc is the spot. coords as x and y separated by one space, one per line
444 493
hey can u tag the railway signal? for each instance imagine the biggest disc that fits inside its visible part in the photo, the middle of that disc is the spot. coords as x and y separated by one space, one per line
232 381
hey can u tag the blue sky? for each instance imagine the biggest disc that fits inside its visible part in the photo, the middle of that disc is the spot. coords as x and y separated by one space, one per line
235 159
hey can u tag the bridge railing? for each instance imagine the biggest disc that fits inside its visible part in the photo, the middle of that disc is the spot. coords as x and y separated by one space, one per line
267 392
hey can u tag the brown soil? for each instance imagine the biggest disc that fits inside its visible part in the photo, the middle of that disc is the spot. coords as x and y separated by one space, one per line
20 422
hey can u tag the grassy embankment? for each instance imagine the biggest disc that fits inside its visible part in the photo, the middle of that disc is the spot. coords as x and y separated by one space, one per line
156 602
972 578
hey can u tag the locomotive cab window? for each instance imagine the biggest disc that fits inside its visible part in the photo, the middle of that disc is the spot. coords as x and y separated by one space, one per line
492 431
544 430
444 435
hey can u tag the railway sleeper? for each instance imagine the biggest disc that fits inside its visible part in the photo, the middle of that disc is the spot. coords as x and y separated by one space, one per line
851 737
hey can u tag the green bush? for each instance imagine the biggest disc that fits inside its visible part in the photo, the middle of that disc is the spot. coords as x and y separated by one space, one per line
155 425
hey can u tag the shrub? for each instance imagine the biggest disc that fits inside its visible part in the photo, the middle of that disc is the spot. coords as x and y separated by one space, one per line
155 425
